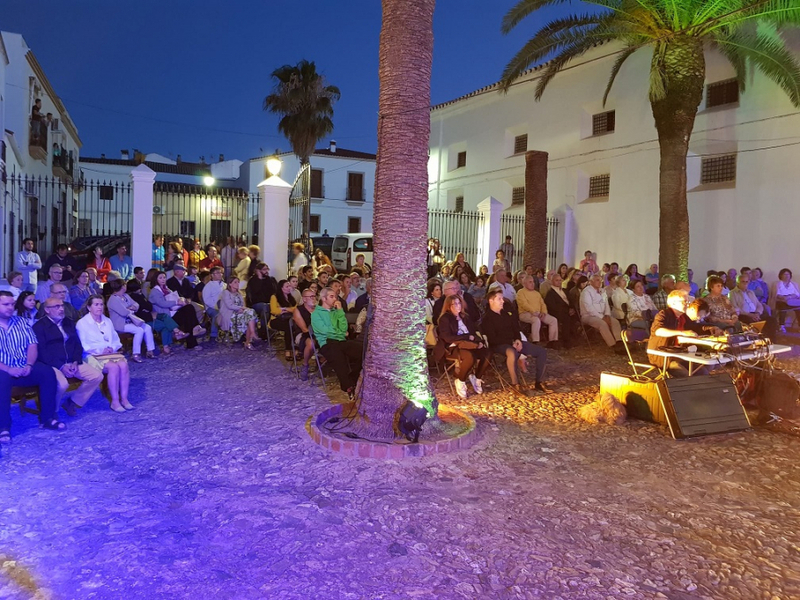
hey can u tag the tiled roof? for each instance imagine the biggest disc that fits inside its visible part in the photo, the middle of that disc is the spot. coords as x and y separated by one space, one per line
496 86
183 168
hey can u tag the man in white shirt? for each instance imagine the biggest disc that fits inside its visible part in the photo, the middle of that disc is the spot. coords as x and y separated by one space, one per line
211 293
43 288
596 313
501 280
28 263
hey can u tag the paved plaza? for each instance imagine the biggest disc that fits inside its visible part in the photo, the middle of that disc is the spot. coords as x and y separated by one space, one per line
212 488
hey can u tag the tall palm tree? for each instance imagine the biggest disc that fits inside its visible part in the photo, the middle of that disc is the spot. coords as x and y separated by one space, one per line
746 32
395 368
305 102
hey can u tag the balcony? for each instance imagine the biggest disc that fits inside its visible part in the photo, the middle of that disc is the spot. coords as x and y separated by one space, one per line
37 141
356 194
63 163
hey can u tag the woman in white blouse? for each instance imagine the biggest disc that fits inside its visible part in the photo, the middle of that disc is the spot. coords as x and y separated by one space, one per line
784 295
122 309
638 305
621 295
101 347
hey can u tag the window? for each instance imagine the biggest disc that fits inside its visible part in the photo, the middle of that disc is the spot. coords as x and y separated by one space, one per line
317 190
353 224
461 161
459 204
518 196
355 186
313 224
340 244
521 143
722 92
362 245
603 122
106 192
599 186
718 169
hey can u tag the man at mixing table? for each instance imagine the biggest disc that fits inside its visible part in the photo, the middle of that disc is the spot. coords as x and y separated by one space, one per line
678 318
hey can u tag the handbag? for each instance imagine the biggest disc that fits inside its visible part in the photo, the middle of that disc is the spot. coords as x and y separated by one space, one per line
466 345
430 335
138 321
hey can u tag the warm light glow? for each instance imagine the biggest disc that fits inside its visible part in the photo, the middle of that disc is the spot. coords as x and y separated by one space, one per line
208 180
274 165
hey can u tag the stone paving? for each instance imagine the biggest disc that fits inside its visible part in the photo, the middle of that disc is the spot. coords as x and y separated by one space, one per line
212 488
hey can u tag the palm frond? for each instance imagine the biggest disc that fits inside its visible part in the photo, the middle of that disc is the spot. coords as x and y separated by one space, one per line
767 51
738 61
615 69
658 82
778 12
521 10
569 53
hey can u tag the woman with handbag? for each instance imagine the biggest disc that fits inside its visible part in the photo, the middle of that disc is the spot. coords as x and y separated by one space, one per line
101 349
459 338
784 296
167 302
122 310
162 324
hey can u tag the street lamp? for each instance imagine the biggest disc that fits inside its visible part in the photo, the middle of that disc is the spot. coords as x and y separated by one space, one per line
208 180
274 165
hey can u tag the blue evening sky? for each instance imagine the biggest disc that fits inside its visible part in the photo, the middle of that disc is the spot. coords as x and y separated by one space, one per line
189 77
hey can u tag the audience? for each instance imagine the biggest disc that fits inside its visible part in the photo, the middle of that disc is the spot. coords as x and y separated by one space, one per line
68 264
161 323
60 347
329 324
451 288
667 286
721 312
302 321
122 311
80 292
26 307
596 313
500 262
641 309
43 287
784 296
282 306
749 309
558 306
234 317
478 289
100 264
59 292
121 262
503 334
28 263
362 268
533 310
14 285
168 302
458 337
101 347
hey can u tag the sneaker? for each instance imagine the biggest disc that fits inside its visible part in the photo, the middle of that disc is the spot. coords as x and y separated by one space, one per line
461 388
477 384
304 373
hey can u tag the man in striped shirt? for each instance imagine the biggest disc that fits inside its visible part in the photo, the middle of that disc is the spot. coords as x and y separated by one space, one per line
18 367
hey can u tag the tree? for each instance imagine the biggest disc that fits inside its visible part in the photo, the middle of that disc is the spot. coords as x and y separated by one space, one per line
395 367
305 104
746 32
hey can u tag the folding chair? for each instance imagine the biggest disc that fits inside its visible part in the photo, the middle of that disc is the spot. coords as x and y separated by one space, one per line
294 349
316 357
638 336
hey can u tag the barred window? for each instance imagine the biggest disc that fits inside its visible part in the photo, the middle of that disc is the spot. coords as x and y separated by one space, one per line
599 186
461 161
603 122
521 143
459 204
718 169
518 196
722 92
313 223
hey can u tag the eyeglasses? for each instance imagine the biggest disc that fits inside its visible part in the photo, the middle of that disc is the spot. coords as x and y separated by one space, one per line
55 306
309 296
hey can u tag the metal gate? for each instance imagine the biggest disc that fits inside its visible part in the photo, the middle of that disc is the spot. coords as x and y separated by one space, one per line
514 225
300 206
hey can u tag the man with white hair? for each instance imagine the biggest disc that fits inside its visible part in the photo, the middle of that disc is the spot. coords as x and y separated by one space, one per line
501 281
453 288
533 310
667 285
56 273
596 313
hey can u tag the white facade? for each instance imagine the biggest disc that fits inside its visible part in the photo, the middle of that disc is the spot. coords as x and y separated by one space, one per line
45 212
339 204
747 221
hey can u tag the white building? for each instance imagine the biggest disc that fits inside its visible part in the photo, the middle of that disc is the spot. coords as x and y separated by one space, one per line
342 187
44 211
604 162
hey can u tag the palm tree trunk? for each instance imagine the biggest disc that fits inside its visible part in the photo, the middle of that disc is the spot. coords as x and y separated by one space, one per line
535 252
395 368
683 65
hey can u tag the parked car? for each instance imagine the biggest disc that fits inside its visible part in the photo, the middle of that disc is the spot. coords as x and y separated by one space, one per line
347 246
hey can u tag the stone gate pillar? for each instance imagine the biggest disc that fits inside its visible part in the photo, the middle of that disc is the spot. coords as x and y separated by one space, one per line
143 178
273 224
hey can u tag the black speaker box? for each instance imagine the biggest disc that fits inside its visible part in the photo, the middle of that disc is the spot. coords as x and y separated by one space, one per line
702 405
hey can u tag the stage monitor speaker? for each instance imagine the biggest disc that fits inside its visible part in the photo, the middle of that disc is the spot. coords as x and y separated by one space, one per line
640 396
702 405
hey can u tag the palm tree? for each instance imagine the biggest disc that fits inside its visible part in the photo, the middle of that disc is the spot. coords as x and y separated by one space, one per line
305 102
395 367
746 32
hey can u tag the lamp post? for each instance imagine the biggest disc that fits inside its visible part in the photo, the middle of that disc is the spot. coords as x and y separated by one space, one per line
208 181
274 165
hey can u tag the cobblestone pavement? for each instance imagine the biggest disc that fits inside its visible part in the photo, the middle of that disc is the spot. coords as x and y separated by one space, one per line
213 489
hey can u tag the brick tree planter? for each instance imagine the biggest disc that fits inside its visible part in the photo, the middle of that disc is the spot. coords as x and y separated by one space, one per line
466 436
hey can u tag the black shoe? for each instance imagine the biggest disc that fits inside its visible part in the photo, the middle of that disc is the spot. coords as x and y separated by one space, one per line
539 387
69 407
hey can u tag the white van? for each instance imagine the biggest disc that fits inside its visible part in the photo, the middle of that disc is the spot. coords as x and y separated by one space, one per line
349 245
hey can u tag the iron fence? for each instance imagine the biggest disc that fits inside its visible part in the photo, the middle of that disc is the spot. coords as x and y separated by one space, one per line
300 206
456 232
514 225
211 215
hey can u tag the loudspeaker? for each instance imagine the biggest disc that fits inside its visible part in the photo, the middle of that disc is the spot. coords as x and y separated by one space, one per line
702 405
